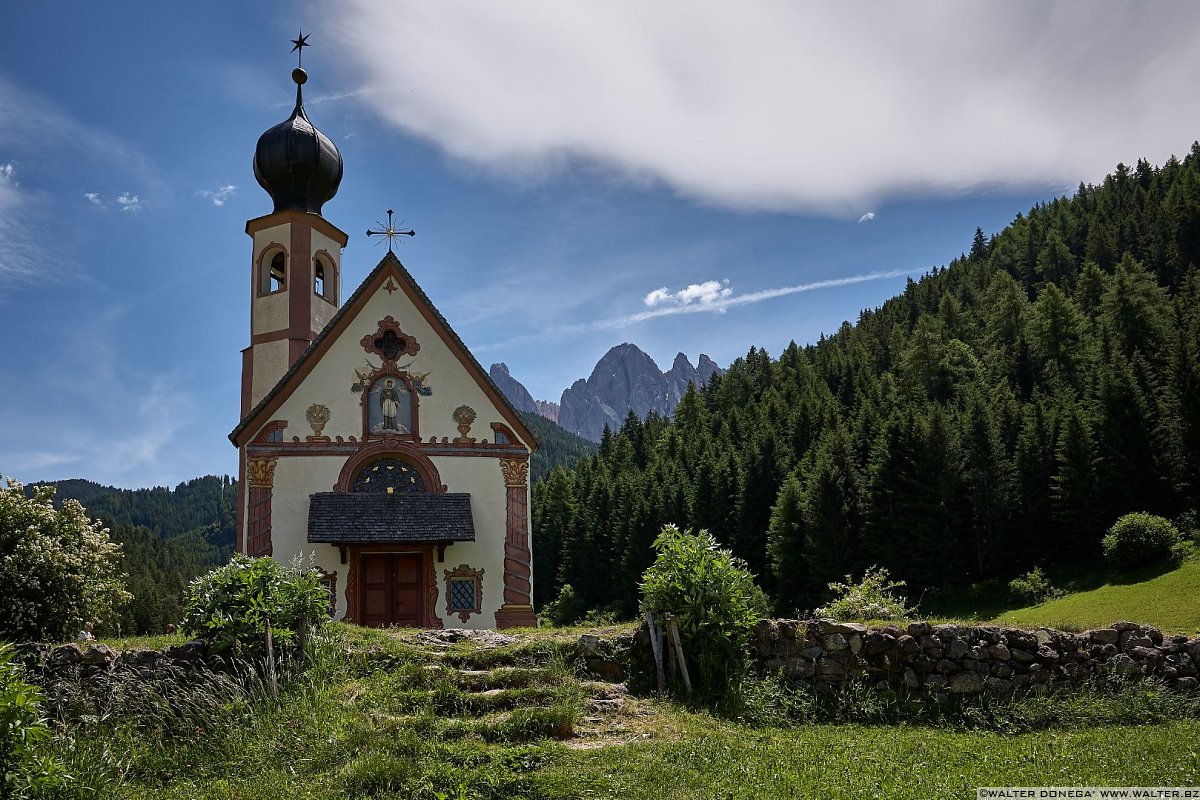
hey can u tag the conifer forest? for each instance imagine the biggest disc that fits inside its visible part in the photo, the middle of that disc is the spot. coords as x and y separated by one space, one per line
999 414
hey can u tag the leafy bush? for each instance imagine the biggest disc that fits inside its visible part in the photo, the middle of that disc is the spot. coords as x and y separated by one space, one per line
1033 587
59 569
874 597
1139 538
229 608
26 771
566 609
715 600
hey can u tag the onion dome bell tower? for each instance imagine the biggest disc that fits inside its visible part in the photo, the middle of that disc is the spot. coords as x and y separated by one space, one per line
295 283
299 166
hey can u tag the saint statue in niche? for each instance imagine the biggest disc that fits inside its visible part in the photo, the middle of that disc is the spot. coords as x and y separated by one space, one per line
390 407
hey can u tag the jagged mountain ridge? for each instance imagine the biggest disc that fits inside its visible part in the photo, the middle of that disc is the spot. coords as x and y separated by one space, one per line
625 379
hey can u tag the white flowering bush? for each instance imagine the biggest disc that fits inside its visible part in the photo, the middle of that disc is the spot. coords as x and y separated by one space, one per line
58 569
874 597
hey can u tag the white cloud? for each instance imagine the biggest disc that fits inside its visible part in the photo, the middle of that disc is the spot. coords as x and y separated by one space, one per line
94 198
867 217
718 304
823 107
6 174
218 197
703 294
130 202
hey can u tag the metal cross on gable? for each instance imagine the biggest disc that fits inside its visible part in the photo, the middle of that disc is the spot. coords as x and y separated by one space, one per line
389 231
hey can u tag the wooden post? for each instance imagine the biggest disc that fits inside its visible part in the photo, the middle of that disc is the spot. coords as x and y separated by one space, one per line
656 646
271 663
673 635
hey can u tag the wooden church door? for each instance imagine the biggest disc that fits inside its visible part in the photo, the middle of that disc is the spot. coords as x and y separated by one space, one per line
391 590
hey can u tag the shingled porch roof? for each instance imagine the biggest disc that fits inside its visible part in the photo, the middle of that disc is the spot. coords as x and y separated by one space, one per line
367 518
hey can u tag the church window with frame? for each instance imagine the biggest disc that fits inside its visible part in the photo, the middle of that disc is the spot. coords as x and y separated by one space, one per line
464 591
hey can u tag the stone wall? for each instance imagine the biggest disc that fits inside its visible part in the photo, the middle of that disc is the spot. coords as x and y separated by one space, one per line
47 663
966 659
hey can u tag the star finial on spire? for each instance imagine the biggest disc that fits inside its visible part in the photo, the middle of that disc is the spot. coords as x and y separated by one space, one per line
299 44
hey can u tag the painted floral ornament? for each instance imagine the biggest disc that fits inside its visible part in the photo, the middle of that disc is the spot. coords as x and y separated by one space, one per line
465 417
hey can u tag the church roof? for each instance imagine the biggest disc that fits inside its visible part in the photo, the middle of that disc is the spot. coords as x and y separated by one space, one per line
388 266
357 518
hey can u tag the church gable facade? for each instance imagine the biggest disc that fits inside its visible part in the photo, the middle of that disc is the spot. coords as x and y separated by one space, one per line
370 437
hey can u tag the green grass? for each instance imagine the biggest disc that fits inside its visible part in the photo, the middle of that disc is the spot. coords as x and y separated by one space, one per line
1170 601
383 715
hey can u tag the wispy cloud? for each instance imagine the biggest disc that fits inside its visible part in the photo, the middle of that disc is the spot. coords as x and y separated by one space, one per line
720 298
19 254
130 202
219 196
867 217
126 201
133 418
702 294
671 91
702 300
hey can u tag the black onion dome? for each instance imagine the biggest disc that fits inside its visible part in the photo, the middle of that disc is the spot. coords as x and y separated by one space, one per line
299 166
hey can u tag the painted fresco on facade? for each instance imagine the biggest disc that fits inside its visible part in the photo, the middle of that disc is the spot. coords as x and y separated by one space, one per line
389 406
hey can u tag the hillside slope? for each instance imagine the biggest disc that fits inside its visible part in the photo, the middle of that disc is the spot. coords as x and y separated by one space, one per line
1167 601
1001 412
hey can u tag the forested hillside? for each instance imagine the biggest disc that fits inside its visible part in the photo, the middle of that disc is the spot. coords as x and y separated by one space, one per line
556 447
167 536
1001 413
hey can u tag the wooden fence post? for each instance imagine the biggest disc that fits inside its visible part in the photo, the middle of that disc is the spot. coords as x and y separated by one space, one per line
656 646
271 663
673 635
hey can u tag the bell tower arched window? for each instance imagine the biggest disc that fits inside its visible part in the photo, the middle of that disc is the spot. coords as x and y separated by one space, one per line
274 274
325 278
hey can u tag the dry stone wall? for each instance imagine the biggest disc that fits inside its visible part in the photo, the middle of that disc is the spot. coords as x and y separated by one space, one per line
48 663
964 659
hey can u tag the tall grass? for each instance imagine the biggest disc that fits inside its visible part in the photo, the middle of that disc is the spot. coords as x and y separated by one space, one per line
774 701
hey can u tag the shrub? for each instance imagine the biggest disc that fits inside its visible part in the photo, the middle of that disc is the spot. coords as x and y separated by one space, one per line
229 608
59 569
566 609
1139 538
22 732
715 601
1033 587
874 597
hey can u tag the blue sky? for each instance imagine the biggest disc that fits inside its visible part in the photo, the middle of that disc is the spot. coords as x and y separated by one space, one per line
571 170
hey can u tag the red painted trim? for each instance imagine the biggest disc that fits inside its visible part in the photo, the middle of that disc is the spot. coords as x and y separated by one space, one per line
279 335
500 427
340 447
239 542
266 430
300 281
296 348
390 446
247 380
258 529
314 221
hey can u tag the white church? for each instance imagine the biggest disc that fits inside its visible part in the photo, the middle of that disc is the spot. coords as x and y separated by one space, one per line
369 434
